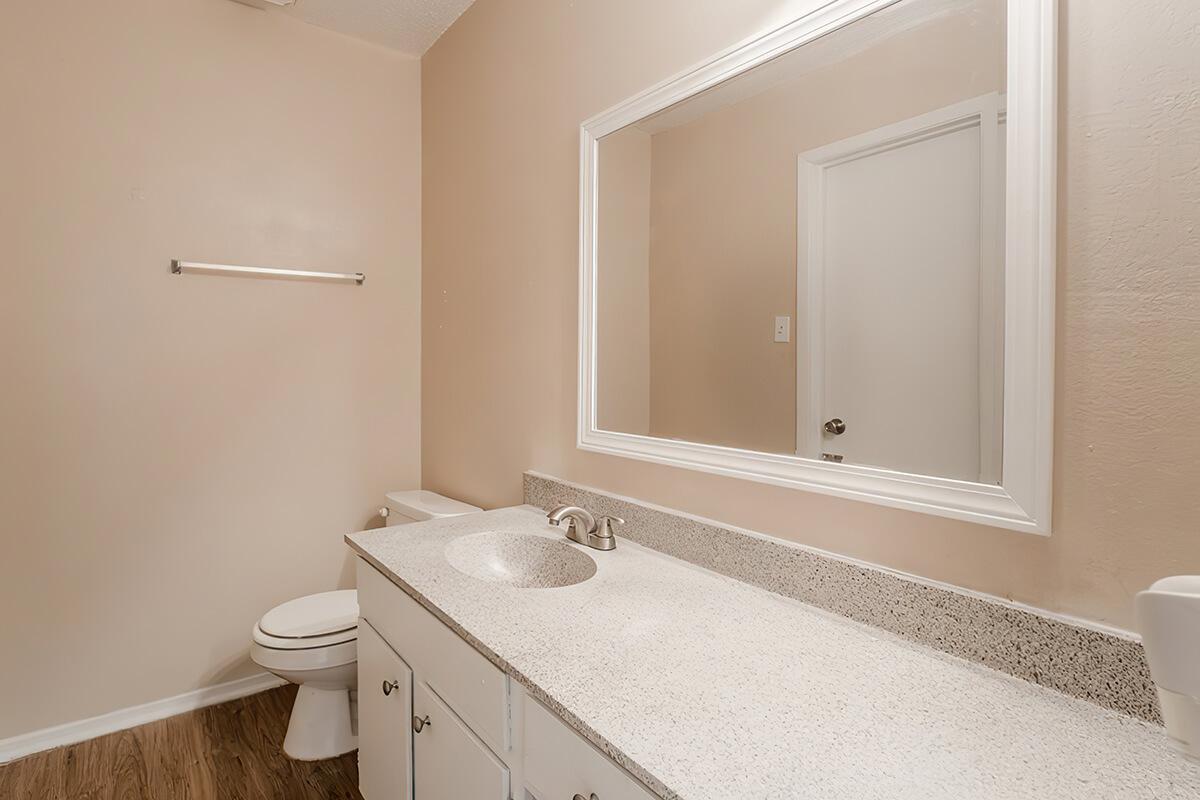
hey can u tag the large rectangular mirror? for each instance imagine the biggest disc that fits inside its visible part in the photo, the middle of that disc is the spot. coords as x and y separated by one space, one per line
825 259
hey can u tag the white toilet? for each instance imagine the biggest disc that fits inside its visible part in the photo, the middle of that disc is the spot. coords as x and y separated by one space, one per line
313 641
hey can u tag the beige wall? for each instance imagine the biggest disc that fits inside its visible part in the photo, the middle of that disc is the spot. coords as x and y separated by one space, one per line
623 289
505 90
723 211
181 453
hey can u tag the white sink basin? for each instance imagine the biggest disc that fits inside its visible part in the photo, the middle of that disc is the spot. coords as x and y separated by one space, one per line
519 559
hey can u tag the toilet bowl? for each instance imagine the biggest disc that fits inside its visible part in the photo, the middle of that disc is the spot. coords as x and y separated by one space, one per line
312 641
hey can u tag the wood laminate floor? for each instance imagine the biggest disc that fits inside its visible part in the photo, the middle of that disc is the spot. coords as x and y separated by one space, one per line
227 752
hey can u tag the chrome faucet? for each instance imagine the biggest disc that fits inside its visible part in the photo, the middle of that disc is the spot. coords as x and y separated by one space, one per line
582 527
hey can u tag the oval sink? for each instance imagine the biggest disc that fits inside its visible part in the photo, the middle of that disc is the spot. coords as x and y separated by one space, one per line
519 559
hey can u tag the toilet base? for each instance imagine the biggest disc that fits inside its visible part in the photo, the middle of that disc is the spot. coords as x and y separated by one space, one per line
321 725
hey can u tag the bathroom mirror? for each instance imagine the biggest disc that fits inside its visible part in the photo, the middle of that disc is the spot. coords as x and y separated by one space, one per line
824 259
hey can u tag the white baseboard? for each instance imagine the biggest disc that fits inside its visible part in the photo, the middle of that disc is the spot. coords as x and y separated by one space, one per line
81 730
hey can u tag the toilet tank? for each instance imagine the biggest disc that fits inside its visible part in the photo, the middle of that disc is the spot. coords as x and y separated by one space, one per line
418 505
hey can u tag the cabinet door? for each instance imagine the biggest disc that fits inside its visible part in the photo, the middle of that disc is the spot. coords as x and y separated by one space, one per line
384 719
449 761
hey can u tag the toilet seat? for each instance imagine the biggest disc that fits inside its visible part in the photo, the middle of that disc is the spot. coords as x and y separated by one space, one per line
265 639
311 659
317 621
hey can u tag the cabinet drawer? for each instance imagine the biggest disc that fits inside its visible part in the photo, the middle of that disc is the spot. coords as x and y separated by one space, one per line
468 682
559 763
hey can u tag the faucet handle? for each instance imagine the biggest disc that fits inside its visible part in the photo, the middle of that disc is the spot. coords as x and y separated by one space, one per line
607 525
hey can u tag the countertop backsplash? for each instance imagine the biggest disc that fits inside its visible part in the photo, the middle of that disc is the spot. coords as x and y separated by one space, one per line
1102 667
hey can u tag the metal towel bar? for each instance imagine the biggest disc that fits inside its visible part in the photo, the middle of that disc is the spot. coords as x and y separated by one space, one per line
178 267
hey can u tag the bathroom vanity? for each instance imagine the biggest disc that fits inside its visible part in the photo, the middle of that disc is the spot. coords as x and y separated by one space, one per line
437 719
495 663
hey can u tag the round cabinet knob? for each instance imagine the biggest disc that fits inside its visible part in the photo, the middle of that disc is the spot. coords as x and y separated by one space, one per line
420 724
835 426
389 686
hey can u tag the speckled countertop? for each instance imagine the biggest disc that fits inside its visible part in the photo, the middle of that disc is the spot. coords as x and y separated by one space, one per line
708 688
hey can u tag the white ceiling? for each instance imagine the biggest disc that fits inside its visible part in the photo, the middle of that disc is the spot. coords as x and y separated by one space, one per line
409 26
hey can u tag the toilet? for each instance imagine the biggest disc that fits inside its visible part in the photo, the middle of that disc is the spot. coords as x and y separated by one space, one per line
312 641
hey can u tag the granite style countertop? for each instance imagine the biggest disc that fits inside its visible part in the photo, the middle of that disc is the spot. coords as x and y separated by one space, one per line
707 688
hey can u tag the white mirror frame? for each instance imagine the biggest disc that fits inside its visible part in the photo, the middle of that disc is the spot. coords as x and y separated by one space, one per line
1023 500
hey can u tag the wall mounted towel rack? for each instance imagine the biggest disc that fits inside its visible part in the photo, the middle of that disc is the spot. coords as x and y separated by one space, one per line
178 267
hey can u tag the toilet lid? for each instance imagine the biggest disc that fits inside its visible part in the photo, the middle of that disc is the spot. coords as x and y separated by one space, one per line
315 615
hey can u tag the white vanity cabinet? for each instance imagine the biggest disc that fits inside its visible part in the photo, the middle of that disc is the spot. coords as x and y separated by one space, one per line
438 721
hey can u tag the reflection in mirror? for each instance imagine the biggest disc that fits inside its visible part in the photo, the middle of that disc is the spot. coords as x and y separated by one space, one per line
808 259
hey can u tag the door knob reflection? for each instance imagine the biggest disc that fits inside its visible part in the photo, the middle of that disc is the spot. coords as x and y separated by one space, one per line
835 427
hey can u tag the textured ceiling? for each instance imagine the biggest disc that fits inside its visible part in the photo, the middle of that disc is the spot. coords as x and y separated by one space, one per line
409 26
